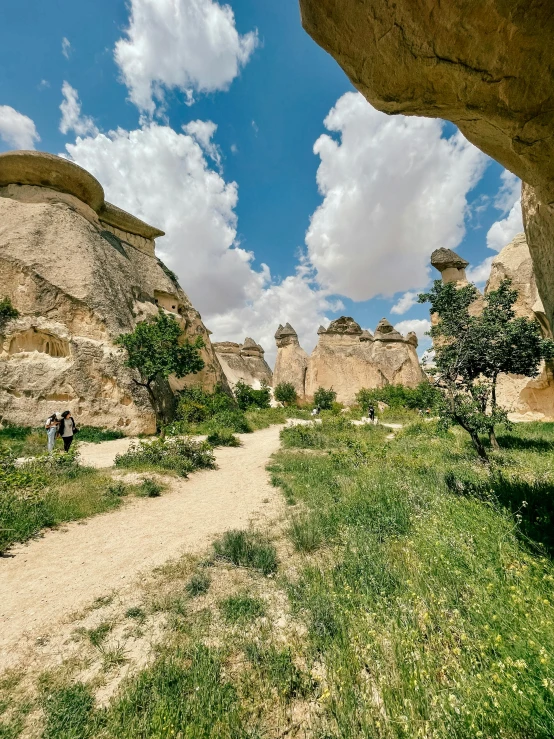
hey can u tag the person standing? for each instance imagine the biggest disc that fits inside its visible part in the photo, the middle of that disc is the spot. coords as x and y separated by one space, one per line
371 414
51 427
67 430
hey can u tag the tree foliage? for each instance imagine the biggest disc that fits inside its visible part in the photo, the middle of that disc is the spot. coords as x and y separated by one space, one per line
247 397
325 398
471 351
285 393
7 312
424 396
156 349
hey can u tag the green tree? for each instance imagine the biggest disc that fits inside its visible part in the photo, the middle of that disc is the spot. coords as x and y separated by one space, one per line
7 312
247 397
285 393
156 349
471 351
325 398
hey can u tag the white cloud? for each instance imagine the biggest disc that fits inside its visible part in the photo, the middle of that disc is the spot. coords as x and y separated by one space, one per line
507 200
72 120
481 272
191 45
394 190
203 132
406 301
66 47
419 326
163 177
17 130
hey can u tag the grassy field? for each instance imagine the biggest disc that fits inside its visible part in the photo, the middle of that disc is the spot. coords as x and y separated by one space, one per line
408 593
25 441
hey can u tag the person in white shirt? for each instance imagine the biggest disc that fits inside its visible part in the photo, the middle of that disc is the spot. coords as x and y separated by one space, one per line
51 427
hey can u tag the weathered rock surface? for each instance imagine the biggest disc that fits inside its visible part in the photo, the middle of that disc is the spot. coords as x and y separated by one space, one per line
525 398
485 65
291 363
80 271
347 359
244 362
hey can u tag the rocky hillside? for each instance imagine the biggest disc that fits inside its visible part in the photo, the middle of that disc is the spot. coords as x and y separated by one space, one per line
243 362
80 272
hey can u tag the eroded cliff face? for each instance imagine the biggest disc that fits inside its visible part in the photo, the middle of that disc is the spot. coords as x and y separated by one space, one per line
485 65
243 362
79 276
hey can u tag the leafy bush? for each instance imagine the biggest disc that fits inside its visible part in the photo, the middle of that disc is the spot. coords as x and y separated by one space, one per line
150 488
247 397
7 312
223 437
325 398
118 489
285 393
421 397
231 419
247 549
303 437
97 435
178 455
241 608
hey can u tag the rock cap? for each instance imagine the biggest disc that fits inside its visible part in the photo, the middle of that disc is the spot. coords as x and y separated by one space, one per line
443 259
385 331
344 325
366 335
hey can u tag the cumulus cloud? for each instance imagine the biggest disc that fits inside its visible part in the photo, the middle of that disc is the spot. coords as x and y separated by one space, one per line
406 301
190 45
203 132
17 130
72 120
66 47
419 326
394 189
508 201
481 272
163 176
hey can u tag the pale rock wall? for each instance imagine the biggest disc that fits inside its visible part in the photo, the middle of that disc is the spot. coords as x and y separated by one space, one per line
77 286
291 363
485 65
243 362
525 398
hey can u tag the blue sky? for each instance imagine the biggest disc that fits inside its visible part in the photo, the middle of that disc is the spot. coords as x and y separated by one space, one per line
390 190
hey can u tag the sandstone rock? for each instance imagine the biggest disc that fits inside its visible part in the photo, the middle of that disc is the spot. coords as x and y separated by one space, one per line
525 398
291 363
451 265
349 359
80 271
243 362
485 65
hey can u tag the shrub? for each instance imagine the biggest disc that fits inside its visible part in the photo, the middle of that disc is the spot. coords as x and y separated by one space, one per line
150 488
117 489
247 549
325 398
241 608
178 455
223 437
285 393
97 435
198 584
421 397
231 419
7 312
247 397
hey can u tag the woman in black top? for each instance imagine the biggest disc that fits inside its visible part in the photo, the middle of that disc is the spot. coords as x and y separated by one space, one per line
67 429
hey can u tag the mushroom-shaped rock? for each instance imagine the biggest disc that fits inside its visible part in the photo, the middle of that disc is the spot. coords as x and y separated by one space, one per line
449 264
321 330
251 348
286 335
344 325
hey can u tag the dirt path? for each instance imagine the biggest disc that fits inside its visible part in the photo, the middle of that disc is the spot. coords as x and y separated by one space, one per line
49 578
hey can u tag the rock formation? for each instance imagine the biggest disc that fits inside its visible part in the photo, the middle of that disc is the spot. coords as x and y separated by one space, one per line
525 398
243 362
347 359
485 65
292 361
80 271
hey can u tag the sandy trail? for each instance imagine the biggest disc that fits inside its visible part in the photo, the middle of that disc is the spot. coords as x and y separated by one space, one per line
65 570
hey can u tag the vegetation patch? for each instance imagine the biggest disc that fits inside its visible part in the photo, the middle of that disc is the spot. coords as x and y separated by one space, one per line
247 549
171 455
199 584
241 608
223 437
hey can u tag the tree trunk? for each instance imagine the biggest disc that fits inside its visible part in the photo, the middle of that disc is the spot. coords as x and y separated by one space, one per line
493 440
480 449
159 421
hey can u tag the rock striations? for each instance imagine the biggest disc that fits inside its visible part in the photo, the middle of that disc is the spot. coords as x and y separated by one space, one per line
525 398
244 362
485 65
347 359
80 271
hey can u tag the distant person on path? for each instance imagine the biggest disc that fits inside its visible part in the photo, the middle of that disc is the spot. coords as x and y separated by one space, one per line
316 411
51 427
371 414
67 429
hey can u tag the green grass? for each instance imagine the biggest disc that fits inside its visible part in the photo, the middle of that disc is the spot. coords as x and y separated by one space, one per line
431 616
26 441
180 456
241 608
223 437
262 418
247 549
68 713
199 584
